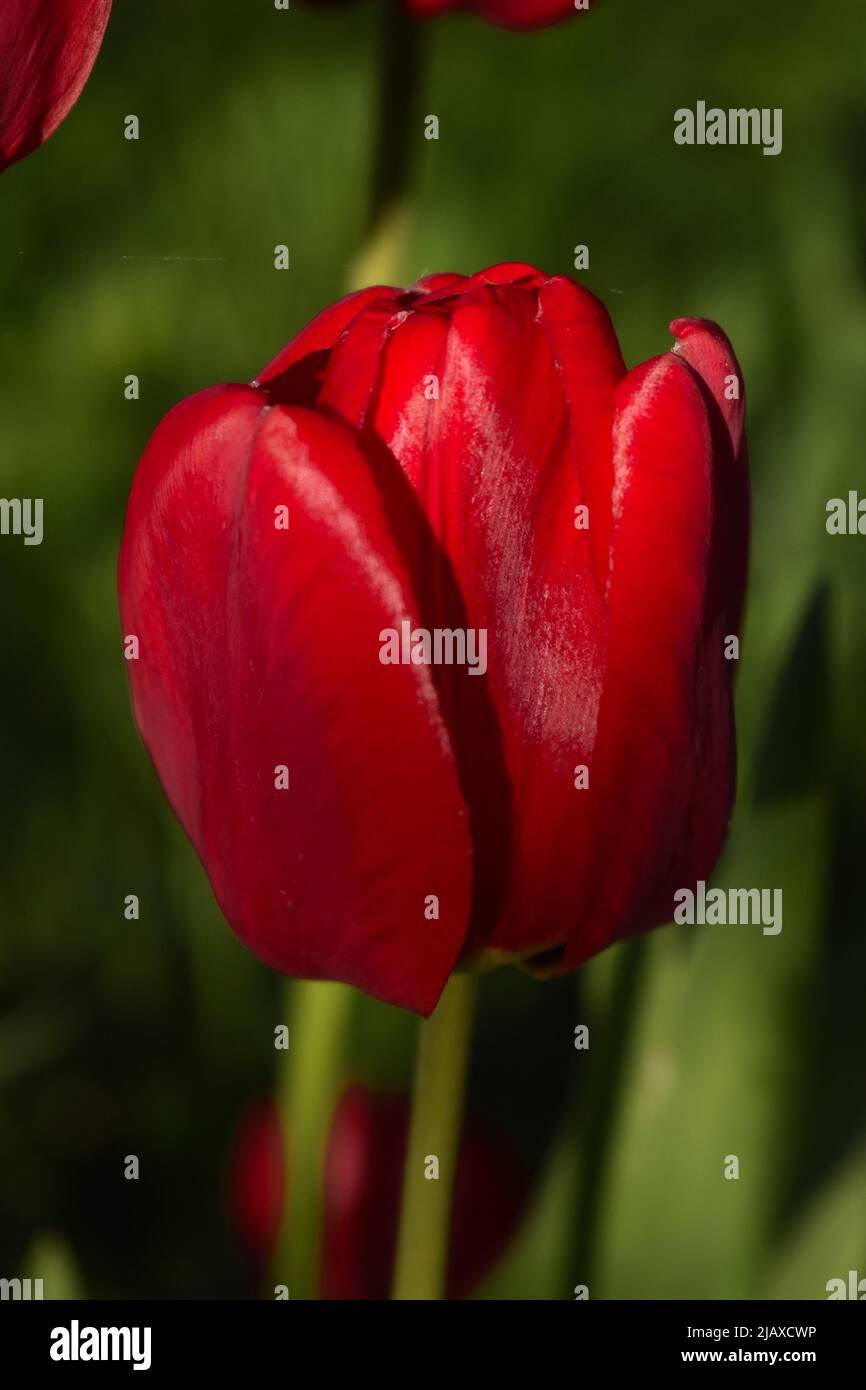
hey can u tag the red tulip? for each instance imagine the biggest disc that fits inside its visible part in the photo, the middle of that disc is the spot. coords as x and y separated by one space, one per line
431 451
47 48
512 14
362 1189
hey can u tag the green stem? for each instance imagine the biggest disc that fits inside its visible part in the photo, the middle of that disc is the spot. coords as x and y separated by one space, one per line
437 1109
388 220
603 1103
307 1091
400 66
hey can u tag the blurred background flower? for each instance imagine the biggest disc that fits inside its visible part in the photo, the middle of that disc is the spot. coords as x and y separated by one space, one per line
155 258
515 14
362 1183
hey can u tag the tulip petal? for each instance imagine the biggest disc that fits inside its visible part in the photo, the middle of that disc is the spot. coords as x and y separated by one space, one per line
514 274
321 333
665 720
702 344
708 352
47 51
260 649
706 349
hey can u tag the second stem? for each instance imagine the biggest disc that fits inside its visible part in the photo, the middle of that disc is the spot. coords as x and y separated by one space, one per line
437 1111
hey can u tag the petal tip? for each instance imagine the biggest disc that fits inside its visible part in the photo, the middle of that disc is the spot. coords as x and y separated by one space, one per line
708 351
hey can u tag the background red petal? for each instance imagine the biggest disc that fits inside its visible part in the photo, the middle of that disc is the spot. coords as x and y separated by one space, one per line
47 49
516 14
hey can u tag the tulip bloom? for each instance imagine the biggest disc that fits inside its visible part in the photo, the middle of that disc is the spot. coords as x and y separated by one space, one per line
363 1173
47 49
466 457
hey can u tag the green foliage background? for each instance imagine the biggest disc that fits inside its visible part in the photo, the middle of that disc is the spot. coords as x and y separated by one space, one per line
150 1037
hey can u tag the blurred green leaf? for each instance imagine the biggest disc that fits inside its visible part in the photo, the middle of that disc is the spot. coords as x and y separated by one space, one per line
51 1260
828 1240
723 1041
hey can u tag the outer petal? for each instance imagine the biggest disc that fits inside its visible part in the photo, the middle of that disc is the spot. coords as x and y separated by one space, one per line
707 349
704 346
260 648
499 463
47 49
662 779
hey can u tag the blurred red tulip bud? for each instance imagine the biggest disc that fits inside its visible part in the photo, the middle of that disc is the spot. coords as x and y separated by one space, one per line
47 49
362 1192
256 1181
431 623
512 14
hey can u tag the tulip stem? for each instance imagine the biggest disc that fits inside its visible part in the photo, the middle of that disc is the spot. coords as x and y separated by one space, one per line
388 220
434 1133
307 1091
604 1100
400 53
